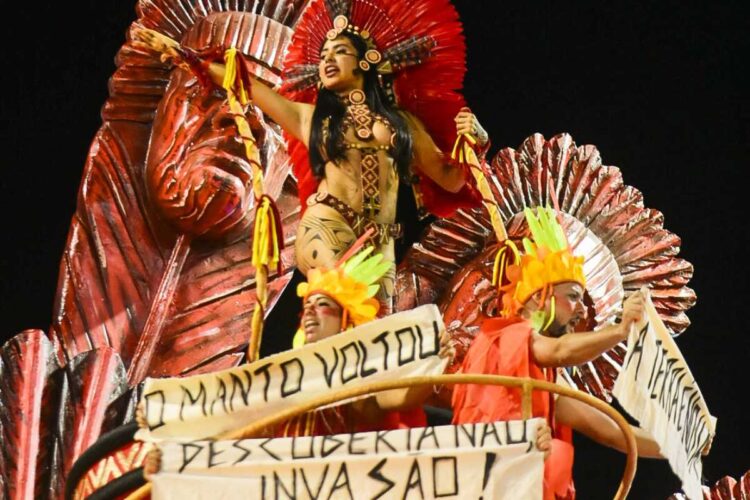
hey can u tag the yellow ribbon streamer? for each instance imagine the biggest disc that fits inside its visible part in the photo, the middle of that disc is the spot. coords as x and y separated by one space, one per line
464 153
266 233
265 236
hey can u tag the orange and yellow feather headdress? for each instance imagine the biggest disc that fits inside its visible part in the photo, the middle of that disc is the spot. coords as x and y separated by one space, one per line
546 261
352 284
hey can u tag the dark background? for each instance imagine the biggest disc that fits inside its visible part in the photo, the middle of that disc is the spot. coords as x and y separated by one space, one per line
657 87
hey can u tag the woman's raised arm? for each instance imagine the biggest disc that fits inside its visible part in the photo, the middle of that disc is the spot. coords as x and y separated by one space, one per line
431 161
294 117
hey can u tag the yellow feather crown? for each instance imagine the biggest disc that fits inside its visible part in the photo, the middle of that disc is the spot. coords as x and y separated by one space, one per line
352 285
546 261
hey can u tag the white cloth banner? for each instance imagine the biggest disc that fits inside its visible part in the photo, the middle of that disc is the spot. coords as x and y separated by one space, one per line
656 387
496 460
398 346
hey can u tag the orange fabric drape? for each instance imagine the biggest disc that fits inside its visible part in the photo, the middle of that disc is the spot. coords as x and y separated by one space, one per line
503 348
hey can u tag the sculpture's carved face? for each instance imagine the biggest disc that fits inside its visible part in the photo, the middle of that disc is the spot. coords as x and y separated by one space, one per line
197 170
321 317
339 66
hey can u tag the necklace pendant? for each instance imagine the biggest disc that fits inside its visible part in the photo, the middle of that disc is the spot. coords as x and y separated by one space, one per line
360 115
356 96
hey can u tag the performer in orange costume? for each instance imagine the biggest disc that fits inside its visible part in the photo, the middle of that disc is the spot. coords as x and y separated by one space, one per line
542 298
333 302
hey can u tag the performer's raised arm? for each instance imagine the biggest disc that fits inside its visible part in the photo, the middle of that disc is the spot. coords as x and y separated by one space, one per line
602 429
570 349
542 296
294 117
431 161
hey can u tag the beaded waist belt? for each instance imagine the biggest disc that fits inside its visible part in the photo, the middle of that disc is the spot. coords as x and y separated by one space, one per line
359 223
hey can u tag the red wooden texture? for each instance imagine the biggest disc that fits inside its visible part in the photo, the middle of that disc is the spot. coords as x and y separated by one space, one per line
49 414
76 398
167 269
157 264
25 363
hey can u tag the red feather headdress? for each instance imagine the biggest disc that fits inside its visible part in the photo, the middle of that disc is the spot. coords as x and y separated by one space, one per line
421 48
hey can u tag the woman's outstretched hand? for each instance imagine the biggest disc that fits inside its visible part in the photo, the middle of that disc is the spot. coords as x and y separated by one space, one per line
467 123
169 49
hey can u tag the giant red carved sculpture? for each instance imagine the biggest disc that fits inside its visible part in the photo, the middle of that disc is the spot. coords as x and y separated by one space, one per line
156 276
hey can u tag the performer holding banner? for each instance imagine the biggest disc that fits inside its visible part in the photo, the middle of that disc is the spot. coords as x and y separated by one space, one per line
335 345
542 295
406 344
337 300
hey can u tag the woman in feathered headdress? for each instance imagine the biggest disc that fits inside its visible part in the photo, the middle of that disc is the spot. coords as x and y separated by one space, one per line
364 81
333 301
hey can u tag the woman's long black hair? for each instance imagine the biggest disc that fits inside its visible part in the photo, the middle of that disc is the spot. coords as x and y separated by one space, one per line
330 106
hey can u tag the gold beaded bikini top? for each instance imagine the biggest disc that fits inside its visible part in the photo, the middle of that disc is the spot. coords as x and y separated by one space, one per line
361 119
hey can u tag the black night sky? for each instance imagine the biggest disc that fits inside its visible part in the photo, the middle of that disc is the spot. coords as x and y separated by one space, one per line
656 86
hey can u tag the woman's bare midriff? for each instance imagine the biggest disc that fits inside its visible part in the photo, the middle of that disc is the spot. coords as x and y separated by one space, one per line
344 182
324 234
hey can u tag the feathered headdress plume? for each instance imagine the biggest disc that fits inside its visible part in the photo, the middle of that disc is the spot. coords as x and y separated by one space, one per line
352 283
546 261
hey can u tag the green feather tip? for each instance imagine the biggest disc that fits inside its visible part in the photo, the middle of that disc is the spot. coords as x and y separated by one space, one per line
363 271
534 227
366 269
545 230
528 247
357 259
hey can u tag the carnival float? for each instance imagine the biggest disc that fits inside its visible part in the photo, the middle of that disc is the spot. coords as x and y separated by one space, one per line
183 243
